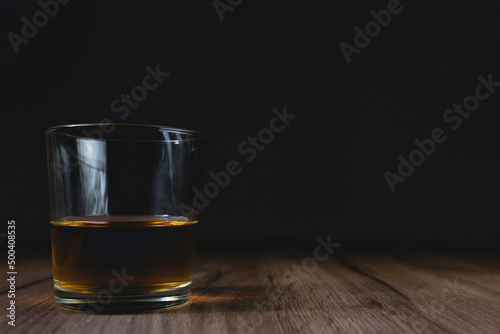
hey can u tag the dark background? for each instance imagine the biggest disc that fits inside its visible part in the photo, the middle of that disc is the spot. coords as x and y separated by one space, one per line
324 173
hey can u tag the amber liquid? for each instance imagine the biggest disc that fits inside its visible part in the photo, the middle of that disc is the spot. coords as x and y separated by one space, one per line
157 251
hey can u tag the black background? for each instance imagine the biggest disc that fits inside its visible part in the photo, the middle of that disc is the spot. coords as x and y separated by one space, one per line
324 173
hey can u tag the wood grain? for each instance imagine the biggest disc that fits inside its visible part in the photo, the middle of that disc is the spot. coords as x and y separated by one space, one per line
285 291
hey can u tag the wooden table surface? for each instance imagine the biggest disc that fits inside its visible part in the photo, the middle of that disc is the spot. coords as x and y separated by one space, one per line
295 290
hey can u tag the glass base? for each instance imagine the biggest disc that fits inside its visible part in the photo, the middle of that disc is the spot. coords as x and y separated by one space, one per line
107 303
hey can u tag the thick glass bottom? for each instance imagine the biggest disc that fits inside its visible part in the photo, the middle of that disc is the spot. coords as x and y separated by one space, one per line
107 303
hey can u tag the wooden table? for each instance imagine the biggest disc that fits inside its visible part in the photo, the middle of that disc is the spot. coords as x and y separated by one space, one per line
290 289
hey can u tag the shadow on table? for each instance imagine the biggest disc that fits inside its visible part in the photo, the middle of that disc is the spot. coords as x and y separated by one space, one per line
234 299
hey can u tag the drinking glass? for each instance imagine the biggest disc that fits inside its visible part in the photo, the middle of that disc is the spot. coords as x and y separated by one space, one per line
122 224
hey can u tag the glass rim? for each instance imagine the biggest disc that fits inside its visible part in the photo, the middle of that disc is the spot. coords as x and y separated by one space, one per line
59 130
